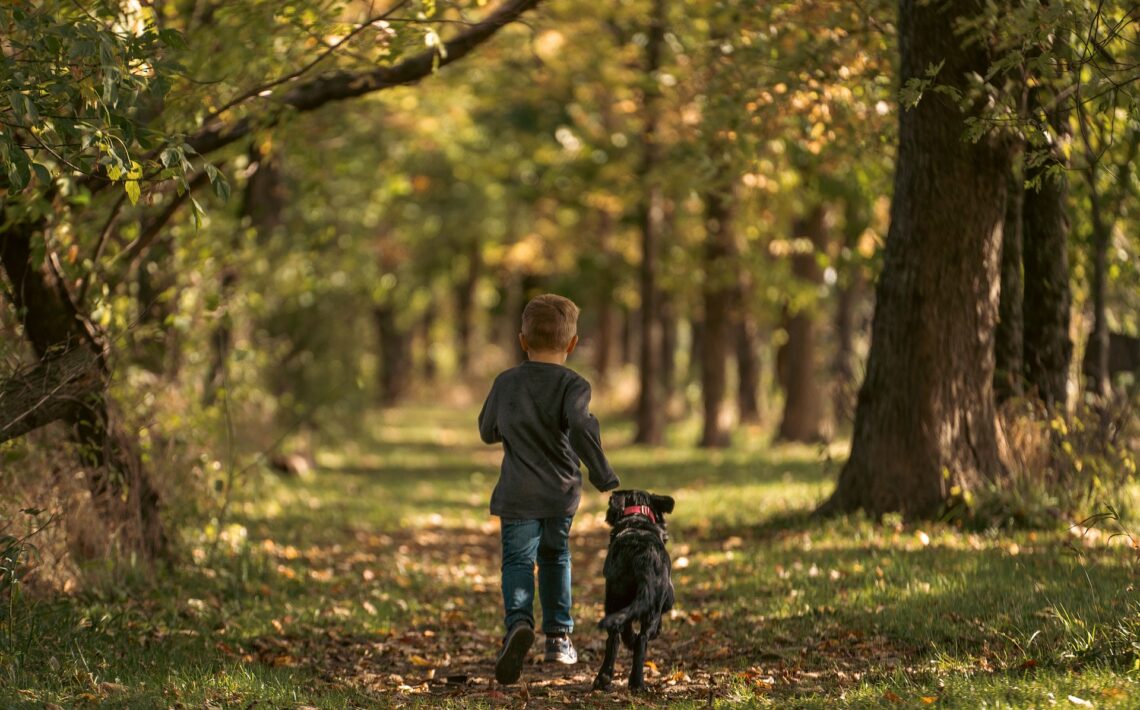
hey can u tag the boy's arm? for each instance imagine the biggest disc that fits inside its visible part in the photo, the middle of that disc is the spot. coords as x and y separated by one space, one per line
488 428
585 436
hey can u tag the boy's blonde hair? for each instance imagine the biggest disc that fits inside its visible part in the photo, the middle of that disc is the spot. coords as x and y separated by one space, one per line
549 322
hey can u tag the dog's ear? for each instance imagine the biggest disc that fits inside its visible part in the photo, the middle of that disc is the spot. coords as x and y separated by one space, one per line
617 505
662 504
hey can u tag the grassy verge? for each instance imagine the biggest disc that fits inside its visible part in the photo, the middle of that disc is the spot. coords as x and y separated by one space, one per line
374 580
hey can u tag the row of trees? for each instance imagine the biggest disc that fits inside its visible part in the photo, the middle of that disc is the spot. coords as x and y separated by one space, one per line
708 180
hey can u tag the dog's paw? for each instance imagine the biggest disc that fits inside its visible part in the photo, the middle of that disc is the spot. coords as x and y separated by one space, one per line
602 682
638 687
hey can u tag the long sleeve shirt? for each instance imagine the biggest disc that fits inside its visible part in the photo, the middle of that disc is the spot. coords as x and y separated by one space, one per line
540 413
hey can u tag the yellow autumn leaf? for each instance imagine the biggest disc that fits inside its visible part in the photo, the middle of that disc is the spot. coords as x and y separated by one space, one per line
420 661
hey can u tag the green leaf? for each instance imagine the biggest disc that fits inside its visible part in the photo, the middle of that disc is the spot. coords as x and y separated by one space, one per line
133 191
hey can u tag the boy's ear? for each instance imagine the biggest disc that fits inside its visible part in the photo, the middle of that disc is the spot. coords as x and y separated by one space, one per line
617 505
573 344
522 343
662 504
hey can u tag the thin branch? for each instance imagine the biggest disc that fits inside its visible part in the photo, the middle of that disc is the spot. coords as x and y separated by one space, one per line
336 86
257 91
151 228
85 282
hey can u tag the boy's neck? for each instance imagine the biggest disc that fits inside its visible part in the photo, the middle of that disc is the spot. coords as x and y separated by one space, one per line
552 358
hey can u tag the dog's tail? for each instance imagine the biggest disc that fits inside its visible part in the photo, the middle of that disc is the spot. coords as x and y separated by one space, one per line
642 604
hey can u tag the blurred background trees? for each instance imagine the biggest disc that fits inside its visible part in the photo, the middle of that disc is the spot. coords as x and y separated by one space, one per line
230 229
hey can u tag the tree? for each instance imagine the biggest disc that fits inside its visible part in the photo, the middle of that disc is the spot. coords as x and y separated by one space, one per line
86 125
651 219
925 422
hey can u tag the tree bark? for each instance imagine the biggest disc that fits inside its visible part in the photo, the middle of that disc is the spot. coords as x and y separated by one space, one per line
427 341
848 292
465 306
668 315
48 392
650 412
395 355
263 201
1047 347
718 291
1009 362
747 335
604 347
803 394
53 325
925 427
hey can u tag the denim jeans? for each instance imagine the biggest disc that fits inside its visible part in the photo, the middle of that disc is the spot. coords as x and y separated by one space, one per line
546 541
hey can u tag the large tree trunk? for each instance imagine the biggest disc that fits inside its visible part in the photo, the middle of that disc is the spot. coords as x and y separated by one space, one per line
803 393
1009 362
53 325
650 412
718 291
925 425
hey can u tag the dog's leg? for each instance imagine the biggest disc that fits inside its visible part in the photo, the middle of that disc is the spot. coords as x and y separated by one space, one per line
637 672
606 672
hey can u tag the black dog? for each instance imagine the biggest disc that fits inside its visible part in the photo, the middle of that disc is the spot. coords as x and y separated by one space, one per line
638 587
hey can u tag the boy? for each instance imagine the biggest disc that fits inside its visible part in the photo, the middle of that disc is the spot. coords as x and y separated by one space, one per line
539 410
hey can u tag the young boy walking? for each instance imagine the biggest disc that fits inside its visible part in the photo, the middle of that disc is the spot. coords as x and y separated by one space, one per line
539 410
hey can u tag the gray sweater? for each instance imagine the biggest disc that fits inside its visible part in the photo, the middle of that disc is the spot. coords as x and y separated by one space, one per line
540 411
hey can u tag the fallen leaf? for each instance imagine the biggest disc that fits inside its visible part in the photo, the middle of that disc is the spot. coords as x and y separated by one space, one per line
1080 701
420 661
929 699
891 697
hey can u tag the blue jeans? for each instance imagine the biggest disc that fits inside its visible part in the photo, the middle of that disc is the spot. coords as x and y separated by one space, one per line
546 541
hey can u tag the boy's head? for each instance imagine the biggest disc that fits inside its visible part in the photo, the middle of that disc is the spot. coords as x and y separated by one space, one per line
550 324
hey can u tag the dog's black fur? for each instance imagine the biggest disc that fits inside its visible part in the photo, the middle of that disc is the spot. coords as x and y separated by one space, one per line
638 587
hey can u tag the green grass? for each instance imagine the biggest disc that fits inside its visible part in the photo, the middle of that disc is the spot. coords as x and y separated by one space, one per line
354 586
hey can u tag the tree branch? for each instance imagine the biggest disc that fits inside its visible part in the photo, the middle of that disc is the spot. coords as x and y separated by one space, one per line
51 391
337 86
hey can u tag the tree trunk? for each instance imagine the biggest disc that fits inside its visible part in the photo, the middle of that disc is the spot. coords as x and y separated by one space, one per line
262 203
1009 363
604 342
803 394
925 427
650 412
465 307
668 311
629 335
427 340
720 284
747 336
53 325
395 355
1047 348
848 292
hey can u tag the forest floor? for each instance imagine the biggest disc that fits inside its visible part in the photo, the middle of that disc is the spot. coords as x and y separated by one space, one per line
374 583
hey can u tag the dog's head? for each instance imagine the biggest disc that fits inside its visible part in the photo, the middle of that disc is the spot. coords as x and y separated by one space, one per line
620 500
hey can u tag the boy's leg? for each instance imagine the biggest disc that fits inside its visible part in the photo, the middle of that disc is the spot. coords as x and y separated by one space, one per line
554 576
520 545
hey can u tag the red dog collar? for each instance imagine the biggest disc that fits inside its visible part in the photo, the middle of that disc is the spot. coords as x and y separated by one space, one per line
640 510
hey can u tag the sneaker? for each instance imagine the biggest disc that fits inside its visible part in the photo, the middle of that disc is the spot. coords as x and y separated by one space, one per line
560 649
508 666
